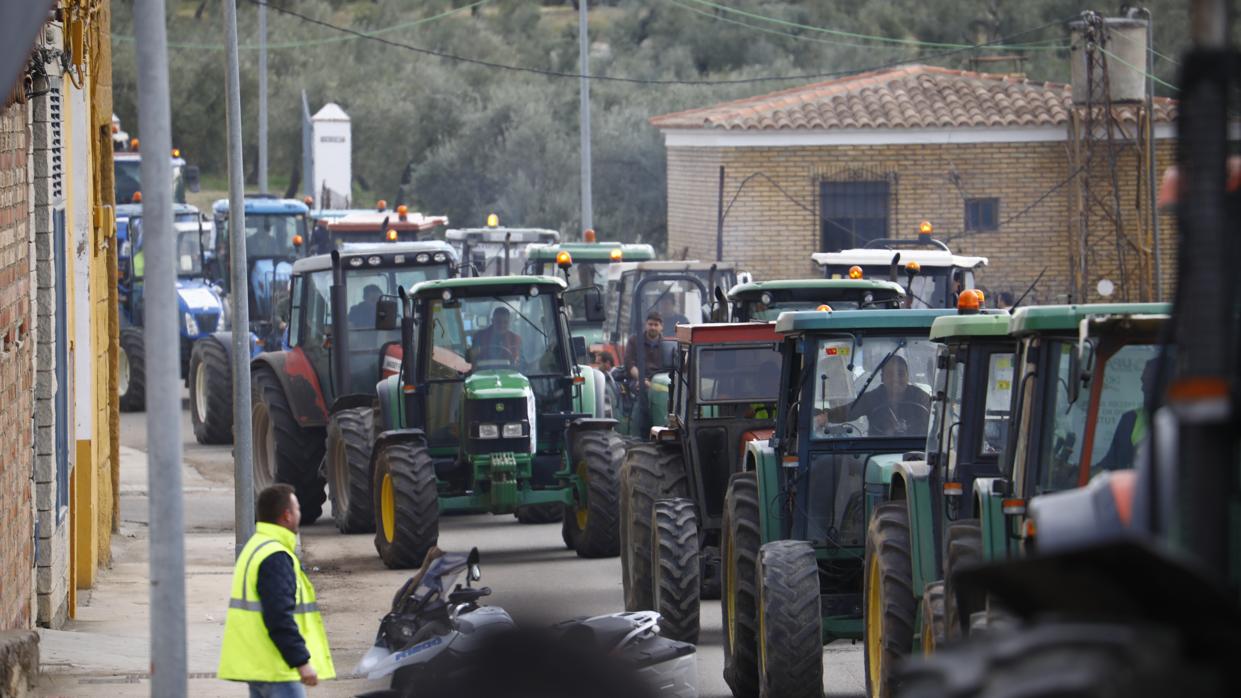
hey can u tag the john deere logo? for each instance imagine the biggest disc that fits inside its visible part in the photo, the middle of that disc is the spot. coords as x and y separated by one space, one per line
499 407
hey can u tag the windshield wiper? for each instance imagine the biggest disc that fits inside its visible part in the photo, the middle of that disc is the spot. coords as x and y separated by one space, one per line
523 316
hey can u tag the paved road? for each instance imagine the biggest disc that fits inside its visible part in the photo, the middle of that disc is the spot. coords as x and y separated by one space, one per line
528 567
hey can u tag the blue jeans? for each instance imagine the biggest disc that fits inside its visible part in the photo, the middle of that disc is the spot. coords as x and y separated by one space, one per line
277 689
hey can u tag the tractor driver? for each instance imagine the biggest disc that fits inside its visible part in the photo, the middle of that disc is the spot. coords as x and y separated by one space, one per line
1131 429
362 315
496 341
650 343
895 408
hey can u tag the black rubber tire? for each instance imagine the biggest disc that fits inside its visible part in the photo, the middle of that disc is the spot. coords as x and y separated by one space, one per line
539 513
134 399
592 525
889 575
649 473
296 452
349 439
415 525
931 610
216 426
963 542
1065 660
675 570
738 570
790 662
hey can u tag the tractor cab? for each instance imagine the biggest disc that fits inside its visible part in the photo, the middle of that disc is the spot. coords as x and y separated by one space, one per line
763 301
382 226
928 270
127 176
496 251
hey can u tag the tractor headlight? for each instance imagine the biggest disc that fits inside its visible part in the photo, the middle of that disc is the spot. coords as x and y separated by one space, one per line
488 431
191 325
441 257
514 430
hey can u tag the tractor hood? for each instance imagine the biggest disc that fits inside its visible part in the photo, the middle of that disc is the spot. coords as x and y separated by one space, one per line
496 384
196 297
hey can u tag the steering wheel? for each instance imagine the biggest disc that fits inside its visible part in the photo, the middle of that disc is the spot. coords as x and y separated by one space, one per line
890 407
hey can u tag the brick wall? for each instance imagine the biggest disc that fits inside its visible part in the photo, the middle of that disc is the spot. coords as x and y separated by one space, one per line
772 233
16 374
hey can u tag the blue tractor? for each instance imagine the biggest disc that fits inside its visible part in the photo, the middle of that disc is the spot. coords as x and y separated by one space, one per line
197 300
276 233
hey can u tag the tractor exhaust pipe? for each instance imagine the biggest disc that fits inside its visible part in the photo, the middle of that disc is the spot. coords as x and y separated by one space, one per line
339 349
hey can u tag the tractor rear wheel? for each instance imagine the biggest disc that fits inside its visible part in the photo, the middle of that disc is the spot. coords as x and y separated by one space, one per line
283 450
133 378
649 473
889 609
349 439
790 644
211 392
539 513
932 612
676 573
738 602
963 540
591 524
406 504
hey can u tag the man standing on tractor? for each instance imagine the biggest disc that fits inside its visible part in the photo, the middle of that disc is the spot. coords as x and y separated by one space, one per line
496 341
274 638
321 238
896 408
650 343
362 315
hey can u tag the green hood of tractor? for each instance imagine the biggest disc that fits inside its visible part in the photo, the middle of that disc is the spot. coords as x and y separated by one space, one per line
496 384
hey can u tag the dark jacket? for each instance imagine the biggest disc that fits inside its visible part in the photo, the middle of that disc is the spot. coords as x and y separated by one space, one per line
277 589
653 359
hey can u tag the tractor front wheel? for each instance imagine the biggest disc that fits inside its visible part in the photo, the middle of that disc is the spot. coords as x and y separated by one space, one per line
211 392
649 473
932 612
890 607
406 504
591 524
676 572
283 450
790 645
738 601
133 379
349 437
963 540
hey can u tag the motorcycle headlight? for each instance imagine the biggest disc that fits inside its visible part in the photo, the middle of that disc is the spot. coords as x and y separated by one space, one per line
488 431
514 430
191 325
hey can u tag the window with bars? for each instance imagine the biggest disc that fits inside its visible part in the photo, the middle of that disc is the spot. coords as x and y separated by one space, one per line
982 215
853 213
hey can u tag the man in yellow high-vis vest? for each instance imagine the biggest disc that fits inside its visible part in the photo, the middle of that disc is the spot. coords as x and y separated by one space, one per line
274 637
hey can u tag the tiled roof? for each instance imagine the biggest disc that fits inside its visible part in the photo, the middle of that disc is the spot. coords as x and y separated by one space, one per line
915 96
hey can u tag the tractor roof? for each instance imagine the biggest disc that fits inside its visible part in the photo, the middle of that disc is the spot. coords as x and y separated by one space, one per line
727 333
135 210
867 257
389 253
1053 318
815 289
516 236
591 251
368 221
984 324
264 204
331 214
136 156
822 321
482 285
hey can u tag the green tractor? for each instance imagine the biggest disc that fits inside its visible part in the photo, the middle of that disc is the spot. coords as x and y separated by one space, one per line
489 414
763 301
855 388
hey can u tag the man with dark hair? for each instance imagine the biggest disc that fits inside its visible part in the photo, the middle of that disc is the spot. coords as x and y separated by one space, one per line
894 408
650 343
362 314
274 638
496 341
320 238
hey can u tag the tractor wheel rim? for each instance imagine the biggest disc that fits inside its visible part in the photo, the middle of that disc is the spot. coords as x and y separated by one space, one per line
928 637
263 447
874 623
582 511
122 373
387 507
340 477
200 392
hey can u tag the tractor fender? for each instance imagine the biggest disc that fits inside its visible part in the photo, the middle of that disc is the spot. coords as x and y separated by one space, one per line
761 457
911 482
349 402
573 427
301 385
391 404
398 436
989 505
1100 512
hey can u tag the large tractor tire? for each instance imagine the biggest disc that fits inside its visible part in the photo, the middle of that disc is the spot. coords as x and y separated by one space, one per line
283 450
211 393
889 611
738 597
406 504
539 513
133 374
963 540
649 473
790 657
676 573
350 434
1064 660
591 525
931 609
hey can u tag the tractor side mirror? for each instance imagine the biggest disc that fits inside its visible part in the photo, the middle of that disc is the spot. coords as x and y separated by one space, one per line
1081 366
387 313
594 305
579 349
191 178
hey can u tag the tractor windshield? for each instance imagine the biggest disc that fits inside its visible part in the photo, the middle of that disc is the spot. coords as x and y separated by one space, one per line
738 381
678 302
495 332
127 174
873 386
270 235
188 252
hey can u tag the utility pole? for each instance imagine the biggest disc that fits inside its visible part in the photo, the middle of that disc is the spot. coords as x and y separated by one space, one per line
719 219
583 40
243 436
163 359
1152 166
263 97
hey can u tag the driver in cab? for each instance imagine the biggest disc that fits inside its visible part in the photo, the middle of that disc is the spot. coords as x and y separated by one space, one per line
895 408
497 341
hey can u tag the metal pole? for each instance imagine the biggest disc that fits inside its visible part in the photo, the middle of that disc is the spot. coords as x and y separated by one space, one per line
719 220
263 97
1152 166
243 437
163 360
588 213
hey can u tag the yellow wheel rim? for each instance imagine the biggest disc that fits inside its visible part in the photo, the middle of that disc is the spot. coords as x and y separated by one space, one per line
874 623
387 507
928 637
583 510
